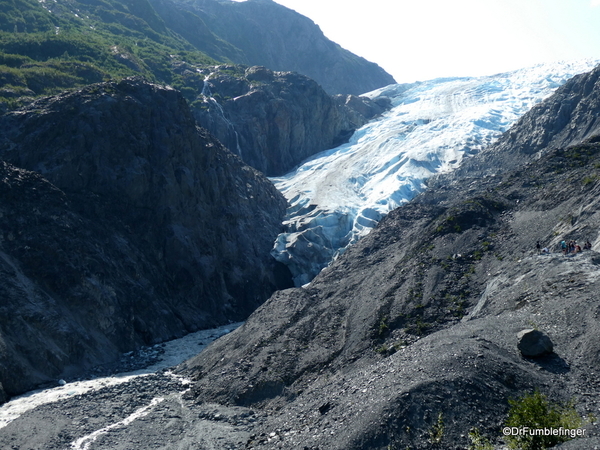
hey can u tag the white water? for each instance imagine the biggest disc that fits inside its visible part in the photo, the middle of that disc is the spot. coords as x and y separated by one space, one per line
175 352
85 442
341 194
213 101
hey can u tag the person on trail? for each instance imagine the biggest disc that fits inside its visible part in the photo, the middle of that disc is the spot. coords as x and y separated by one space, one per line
538 246
563 246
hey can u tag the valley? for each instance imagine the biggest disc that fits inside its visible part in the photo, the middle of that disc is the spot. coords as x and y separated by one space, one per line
217 235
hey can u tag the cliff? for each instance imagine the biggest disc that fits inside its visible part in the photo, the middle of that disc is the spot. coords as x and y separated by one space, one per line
275 120
123 224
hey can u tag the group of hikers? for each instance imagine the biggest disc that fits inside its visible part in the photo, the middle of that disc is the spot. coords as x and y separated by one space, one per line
570 247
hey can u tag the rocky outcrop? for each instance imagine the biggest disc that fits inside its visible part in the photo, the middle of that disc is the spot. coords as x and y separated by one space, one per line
275 120
271 35
122 224
418 320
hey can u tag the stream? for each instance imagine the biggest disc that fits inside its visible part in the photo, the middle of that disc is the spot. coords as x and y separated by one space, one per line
163 356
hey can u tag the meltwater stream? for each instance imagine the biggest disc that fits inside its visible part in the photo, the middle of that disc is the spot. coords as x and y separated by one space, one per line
175 352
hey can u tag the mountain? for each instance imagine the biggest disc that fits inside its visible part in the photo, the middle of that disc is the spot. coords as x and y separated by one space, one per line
271 35
123 224
339 195
46 47
409 338
136 226
274 120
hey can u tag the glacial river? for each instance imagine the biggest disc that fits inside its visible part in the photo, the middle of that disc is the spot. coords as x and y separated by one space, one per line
175 352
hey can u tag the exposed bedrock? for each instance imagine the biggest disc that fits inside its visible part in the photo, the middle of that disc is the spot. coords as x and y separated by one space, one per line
123 224
276 120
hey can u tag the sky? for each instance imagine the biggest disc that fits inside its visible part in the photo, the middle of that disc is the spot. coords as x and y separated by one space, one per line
417 40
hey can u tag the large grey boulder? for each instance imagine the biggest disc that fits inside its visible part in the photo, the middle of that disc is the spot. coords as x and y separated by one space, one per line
533 343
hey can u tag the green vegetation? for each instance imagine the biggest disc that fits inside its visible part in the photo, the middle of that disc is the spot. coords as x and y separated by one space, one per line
479 442
535 412
448 225
581 155
45 51
436 432
383 328
419 328
590 179
382 349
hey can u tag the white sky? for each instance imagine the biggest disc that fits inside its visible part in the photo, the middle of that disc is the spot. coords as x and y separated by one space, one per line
425 39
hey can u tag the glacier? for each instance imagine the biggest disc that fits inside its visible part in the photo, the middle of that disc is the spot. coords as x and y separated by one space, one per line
339 195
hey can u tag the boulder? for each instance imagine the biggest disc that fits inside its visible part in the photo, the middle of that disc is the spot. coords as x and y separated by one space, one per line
533 343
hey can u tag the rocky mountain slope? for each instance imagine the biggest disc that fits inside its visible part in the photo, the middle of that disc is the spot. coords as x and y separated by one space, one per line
275 120
571 115
410 339
419 320
271 35
46 47
122 224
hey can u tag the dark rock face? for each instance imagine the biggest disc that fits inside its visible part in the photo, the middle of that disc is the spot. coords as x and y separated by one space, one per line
419 318
275 120
129 226
273 36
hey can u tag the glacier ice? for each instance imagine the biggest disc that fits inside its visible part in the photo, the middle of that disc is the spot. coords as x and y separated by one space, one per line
339 195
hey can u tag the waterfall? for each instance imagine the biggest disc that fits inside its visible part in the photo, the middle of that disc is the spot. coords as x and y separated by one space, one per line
213 101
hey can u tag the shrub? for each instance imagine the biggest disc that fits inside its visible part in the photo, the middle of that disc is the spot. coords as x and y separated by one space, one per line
436 432
535 411
478 441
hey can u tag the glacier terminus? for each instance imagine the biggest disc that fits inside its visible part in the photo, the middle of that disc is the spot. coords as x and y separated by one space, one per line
339 195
